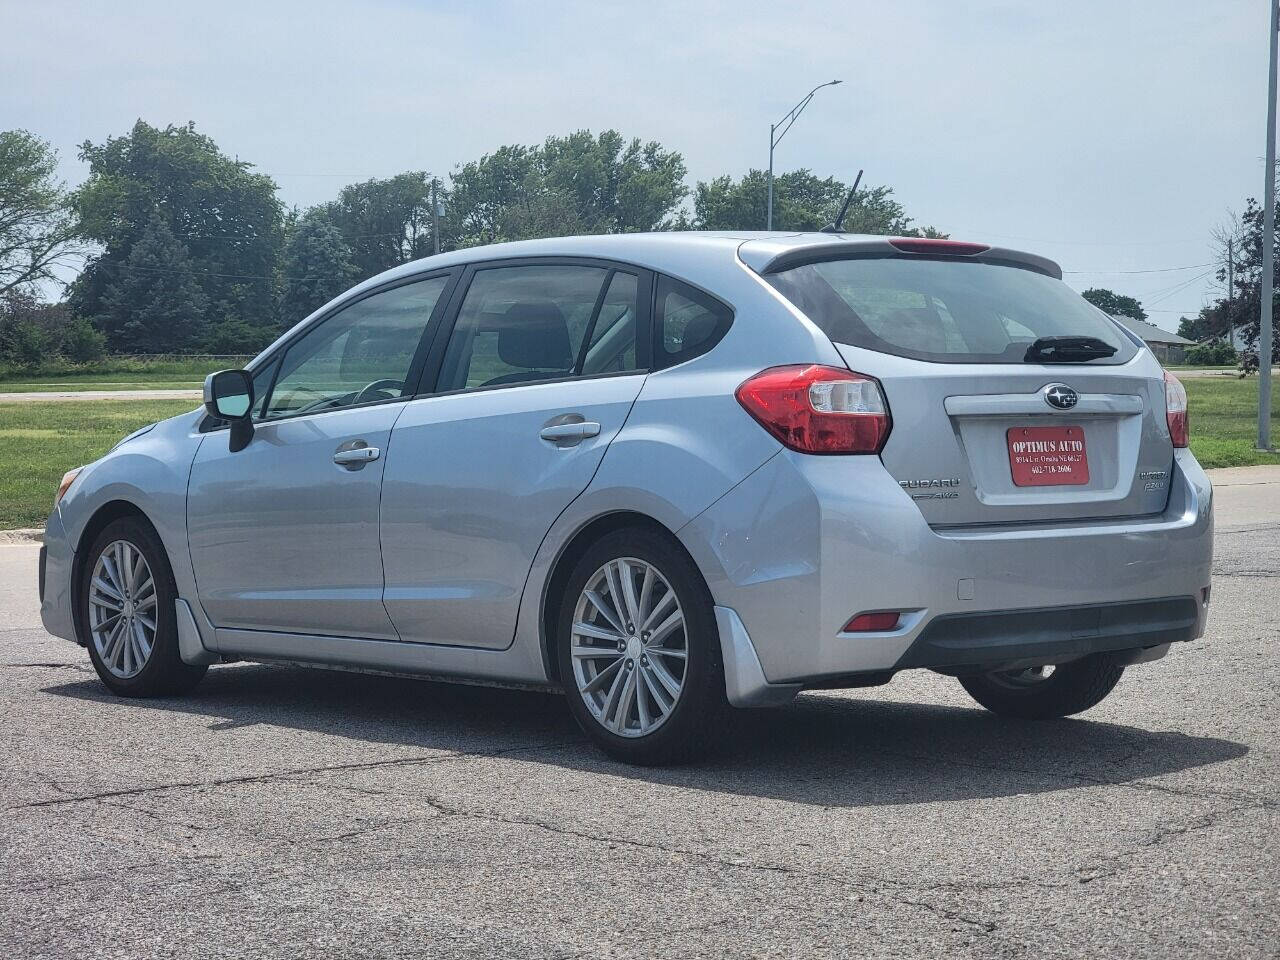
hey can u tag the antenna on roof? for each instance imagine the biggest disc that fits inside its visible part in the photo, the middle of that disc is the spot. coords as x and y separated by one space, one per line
836 227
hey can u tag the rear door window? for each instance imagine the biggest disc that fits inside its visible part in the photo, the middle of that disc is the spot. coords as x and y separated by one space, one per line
952 311
532 322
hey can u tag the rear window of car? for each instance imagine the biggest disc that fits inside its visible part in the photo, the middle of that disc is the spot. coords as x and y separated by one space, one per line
952 311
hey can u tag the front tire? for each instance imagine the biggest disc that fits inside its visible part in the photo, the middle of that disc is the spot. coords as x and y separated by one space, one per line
639 652
1042 693
125 613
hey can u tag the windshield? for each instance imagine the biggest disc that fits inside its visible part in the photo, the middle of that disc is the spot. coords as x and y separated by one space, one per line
952 311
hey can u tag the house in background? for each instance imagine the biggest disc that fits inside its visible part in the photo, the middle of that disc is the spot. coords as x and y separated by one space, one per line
1168 347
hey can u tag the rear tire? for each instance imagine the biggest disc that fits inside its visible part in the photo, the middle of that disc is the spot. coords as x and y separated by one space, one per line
125 613
1071 688
645 691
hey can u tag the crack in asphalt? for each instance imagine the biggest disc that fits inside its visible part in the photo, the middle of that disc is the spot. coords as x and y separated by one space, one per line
1158 836
1139 783
445 809
84 878
883 888
282 775
1235 531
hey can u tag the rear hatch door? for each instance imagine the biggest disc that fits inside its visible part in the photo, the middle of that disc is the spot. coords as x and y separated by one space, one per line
1013 399
984 444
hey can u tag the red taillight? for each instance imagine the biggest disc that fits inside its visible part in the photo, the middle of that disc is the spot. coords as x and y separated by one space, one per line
1175 409
872 622
946 248
815 409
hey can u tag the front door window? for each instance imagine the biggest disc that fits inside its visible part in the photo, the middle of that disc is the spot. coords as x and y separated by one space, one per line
362 354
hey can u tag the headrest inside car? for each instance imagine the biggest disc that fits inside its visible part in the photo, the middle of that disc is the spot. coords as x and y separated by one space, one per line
534 334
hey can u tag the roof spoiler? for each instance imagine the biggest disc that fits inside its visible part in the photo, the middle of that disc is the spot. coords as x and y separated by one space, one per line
773 254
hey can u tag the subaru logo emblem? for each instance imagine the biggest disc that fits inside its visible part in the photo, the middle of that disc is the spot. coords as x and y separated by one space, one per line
1061 396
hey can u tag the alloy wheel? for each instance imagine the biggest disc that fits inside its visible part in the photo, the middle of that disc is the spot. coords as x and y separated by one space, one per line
629 648
122 609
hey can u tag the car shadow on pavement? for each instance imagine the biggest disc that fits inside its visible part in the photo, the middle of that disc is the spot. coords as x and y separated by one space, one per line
828 749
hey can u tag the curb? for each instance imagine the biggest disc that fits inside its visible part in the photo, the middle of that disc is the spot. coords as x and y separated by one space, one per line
27 535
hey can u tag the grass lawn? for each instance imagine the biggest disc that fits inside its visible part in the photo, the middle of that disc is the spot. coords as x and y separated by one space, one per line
41 441
112 381
1224 421
118 374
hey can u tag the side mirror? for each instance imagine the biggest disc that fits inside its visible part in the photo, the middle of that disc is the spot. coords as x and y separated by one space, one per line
228 395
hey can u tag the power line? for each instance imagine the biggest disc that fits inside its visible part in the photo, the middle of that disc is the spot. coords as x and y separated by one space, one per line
1192 266
1177 289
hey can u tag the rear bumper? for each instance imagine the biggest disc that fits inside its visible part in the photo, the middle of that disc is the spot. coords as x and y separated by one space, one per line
974 642
805 543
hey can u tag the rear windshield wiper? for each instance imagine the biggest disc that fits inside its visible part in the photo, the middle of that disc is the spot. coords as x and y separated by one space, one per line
1067 350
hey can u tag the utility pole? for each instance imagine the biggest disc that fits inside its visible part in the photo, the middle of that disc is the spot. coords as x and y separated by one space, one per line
1231 282
435 217
1268 247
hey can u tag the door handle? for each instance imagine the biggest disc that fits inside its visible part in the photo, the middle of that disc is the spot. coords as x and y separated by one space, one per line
567 434
358 455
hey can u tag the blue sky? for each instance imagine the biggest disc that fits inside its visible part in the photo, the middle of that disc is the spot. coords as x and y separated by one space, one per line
1110 136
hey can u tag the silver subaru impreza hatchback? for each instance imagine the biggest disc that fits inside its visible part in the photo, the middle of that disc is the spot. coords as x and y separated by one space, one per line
667 474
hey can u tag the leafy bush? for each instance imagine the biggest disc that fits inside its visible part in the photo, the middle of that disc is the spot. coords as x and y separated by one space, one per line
25 344
81 343
1219 354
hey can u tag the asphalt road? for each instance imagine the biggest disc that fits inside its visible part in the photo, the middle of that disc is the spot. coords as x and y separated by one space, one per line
282 812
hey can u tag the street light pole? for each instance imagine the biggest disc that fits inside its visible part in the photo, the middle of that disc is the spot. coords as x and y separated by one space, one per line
775 138
1268 248
768 220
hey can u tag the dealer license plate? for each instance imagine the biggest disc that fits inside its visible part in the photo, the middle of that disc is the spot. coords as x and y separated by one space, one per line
1048 456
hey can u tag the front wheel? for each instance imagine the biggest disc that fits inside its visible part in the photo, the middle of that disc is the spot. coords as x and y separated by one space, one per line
639 652
1041 693
126 598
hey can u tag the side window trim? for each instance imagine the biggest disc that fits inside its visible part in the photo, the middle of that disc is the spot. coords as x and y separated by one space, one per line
591 323
646 279
274 365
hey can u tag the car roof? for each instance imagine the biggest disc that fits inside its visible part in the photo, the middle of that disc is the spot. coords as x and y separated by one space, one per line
669 251
696 256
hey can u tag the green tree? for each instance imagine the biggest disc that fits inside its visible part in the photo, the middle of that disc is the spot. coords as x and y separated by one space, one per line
1243 310
484 194
154 304
580 183
318 266
37 227
24 341
1199 327
384 222
801 201
32 332
614 185
226 217
1115 304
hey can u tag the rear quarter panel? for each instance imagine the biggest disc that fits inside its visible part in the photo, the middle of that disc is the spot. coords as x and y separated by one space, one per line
687 441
